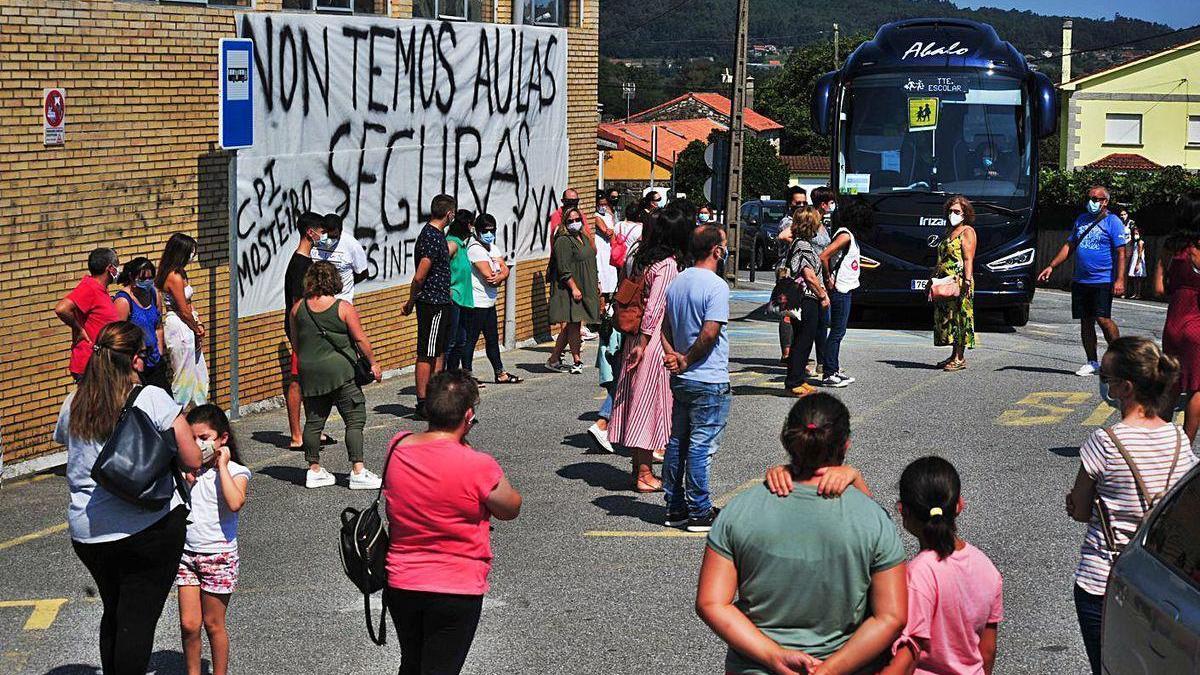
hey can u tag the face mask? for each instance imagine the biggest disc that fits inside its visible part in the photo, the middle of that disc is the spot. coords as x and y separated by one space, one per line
488 238
575 226
208 448
145 284
955 219
988 161
724 254
1093 207
705 217
832 207
1108 397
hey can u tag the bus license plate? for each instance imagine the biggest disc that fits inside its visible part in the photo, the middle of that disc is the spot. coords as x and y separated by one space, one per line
920 284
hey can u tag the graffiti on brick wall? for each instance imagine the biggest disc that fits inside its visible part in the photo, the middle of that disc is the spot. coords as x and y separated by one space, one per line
371 118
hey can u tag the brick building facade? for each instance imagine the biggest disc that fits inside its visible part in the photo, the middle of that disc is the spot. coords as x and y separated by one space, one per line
141 162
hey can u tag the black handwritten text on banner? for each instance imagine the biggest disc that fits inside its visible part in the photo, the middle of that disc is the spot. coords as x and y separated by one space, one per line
372 117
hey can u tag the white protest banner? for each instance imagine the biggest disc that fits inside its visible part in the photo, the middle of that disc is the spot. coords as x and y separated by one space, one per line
371 118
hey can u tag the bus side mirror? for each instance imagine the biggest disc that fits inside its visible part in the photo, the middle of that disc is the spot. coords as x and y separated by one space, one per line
1045 105
821 106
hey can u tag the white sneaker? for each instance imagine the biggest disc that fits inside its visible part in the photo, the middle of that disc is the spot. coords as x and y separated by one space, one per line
601 437
316 479
587 334
1089 368
845 378
365 480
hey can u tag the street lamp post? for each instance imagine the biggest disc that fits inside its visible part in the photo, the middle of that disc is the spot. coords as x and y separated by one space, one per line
628 89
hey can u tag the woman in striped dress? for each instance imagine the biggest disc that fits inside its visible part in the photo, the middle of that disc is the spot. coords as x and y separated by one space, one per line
1142 445
641 416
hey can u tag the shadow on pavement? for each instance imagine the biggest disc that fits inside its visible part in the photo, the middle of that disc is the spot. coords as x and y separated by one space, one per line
590 416
396 410
910 365
598 474
1036 369
288 474
754 390
626 506
161 663
582 441
774 364
1069 451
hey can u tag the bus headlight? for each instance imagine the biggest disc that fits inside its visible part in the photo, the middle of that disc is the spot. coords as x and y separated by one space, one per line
867 263
1022 258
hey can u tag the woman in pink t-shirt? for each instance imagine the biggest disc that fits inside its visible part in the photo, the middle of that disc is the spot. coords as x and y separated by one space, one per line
441 496
955 596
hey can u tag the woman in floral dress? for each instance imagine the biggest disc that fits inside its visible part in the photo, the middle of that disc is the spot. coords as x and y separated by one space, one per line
954 318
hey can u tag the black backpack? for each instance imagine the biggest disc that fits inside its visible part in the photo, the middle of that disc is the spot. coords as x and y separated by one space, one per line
364 546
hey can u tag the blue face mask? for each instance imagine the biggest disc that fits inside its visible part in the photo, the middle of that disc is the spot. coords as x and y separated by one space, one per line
145 284
705 217
488 238
1093 207
988 161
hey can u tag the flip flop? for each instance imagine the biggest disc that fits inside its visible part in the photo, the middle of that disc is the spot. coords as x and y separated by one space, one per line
955 366
509 378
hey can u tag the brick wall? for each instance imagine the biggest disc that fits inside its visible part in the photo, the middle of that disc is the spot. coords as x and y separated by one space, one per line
141 162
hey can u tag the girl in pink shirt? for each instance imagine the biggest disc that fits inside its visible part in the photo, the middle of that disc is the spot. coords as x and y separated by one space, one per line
954 591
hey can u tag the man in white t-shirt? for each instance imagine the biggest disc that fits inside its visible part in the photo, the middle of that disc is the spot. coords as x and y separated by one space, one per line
346 254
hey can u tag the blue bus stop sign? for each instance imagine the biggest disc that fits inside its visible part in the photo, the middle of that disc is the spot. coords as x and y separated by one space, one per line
237 94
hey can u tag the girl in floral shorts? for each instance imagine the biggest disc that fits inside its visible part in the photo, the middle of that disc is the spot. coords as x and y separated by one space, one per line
208 571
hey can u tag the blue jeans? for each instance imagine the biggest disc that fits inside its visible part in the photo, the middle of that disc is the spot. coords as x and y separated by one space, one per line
1089 609
457 317
697 421
607 406
839 317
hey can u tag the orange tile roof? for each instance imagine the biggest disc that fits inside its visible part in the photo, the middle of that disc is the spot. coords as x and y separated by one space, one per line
673 136
1124 161
812 164
722 105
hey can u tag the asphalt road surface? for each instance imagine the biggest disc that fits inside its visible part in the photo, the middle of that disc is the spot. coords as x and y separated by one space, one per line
587 580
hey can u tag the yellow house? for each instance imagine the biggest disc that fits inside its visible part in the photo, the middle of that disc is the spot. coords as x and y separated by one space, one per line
1148 107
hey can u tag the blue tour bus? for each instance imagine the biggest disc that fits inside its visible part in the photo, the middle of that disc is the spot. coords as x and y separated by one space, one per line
927 109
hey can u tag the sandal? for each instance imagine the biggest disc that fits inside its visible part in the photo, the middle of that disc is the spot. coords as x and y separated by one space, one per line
955 366
647 488
508 378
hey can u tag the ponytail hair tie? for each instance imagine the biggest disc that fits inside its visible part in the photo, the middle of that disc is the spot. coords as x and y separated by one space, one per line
935 511
95 347
811 427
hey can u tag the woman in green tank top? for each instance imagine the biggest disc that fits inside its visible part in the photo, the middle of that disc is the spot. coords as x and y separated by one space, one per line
459 232
327 335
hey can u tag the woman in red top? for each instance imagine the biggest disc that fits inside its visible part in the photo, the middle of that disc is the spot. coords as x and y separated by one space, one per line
1177 275
441 496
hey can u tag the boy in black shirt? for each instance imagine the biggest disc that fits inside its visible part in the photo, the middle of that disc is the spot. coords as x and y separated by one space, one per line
312 228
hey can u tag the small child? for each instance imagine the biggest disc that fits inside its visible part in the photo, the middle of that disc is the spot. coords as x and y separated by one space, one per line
208 571
954 591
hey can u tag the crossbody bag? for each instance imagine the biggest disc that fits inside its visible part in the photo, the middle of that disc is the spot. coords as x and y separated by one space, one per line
1147 500
362 367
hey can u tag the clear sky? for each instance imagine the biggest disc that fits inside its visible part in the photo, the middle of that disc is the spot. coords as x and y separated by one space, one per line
1174 13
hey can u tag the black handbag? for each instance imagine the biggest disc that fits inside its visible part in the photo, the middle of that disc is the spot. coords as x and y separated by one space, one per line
364 546
137 463
362 367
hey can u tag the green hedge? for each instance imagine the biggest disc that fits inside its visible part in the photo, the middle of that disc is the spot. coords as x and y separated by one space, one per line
1149 195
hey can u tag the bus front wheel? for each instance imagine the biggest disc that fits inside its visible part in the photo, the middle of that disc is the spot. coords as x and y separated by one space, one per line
1017 316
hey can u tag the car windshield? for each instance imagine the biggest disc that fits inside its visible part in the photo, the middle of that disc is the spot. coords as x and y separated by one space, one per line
955 132
773 212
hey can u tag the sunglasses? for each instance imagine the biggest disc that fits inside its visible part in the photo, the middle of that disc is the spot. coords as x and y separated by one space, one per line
574 220
956 210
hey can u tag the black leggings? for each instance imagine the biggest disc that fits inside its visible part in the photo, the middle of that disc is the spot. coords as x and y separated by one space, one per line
803 337
134 576
482 320
435 630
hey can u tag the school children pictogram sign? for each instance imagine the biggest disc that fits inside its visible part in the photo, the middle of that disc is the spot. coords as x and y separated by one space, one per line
54 115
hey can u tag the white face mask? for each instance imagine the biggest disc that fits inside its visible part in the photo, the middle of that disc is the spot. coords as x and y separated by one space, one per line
832 207
955 219
208 448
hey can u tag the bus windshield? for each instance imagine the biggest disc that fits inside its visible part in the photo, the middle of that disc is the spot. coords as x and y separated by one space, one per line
962 132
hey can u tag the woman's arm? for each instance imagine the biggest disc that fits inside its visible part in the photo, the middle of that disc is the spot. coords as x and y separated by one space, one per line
839 242
185 442
1160 278
714 605
232 489
183 307
987 648
349 314
968 246
485 270
889 613
904 661
814 282
504 502
1081 496
503 272
123 309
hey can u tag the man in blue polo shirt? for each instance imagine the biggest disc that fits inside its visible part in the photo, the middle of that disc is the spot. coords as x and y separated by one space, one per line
1098 240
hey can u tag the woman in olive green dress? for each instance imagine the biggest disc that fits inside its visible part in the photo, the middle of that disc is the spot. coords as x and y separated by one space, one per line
954 318
575 295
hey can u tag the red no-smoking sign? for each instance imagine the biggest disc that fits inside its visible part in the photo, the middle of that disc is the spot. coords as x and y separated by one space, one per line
54 115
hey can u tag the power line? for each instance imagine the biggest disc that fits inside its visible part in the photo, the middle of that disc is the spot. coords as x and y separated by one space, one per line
1114 45
642 23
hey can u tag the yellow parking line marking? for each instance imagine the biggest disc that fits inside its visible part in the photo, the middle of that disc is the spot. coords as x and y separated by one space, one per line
1041 402
645 534
32 479
16 541
1100 415
43 614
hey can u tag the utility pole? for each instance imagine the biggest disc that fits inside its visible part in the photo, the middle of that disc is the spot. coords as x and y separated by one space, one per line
628 89
836 46
736 136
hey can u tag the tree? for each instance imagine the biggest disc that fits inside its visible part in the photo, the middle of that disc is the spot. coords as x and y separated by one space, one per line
691 171
785 97
763 173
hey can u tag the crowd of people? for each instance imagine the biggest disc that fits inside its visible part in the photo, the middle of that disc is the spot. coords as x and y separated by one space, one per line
648 281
